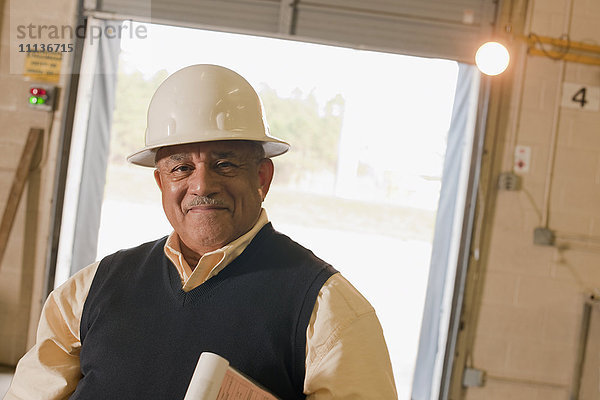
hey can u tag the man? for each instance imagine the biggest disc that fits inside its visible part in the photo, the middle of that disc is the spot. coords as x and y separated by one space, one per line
133 325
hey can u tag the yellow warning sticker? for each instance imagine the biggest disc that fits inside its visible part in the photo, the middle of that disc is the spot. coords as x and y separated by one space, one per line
43 66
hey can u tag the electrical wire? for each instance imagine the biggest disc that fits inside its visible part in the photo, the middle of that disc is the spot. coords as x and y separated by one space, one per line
579 238
537 210
560 249
562 52
578 246
555 123
520 76
528 382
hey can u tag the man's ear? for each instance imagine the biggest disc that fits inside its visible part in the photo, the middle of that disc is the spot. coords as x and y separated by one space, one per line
265 176
157 179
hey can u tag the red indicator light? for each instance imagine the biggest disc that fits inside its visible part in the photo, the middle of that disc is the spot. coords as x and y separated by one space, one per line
38 91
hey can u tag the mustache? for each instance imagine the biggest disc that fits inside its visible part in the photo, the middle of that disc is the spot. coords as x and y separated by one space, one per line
204 200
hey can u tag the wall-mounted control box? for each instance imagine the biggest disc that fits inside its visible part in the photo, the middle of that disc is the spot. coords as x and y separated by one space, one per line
41 97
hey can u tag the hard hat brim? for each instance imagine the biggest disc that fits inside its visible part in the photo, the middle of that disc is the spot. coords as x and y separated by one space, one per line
146 157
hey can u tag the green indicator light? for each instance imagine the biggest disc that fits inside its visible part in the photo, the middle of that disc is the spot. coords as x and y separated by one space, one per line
40 100
33 100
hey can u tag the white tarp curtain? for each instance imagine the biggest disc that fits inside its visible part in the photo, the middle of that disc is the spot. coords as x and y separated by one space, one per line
449 221
93 175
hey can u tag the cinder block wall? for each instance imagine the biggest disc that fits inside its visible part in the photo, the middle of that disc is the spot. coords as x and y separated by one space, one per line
531 305
529 314
22 267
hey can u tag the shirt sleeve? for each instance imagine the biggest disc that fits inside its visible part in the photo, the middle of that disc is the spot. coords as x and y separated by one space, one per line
50 370
346 354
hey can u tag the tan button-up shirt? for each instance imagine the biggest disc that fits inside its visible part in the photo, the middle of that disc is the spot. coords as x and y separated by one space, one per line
346 355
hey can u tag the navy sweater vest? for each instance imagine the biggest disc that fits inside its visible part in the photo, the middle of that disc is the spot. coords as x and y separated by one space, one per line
141 335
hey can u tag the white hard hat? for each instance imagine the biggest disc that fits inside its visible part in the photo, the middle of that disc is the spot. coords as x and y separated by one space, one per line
205 103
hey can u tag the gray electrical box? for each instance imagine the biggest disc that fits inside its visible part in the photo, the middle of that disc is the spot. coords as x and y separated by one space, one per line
509 181
543 237
473 377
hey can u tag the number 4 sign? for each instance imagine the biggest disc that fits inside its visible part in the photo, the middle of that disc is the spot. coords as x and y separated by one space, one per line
581 97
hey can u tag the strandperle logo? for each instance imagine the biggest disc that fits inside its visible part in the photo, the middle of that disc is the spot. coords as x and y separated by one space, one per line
33 33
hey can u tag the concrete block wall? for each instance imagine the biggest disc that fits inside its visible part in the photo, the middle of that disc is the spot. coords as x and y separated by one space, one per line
22 267
529 318
531 307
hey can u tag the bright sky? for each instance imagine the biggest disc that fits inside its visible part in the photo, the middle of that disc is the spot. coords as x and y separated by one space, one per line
284 64
393 98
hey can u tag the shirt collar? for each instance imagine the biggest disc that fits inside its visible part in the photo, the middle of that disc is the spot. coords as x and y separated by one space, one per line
211 263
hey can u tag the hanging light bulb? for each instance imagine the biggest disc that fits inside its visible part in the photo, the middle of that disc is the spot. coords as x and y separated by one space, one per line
492 58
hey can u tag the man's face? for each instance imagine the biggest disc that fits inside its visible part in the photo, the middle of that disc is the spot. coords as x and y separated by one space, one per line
212 192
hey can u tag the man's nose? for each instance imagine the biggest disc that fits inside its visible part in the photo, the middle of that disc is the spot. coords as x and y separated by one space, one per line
203 181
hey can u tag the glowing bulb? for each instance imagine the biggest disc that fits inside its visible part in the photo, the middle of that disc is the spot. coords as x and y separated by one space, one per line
492 58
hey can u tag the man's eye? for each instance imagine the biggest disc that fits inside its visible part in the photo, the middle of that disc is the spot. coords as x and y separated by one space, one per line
181 168
225 164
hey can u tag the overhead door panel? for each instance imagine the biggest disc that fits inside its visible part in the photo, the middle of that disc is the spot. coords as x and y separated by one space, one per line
451 29
389 33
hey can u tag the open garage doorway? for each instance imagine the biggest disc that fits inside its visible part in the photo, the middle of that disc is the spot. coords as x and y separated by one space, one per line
362 186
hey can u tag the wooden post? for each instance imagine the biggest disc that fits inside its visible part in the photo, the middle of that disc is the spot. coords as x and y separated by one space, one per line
16 190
